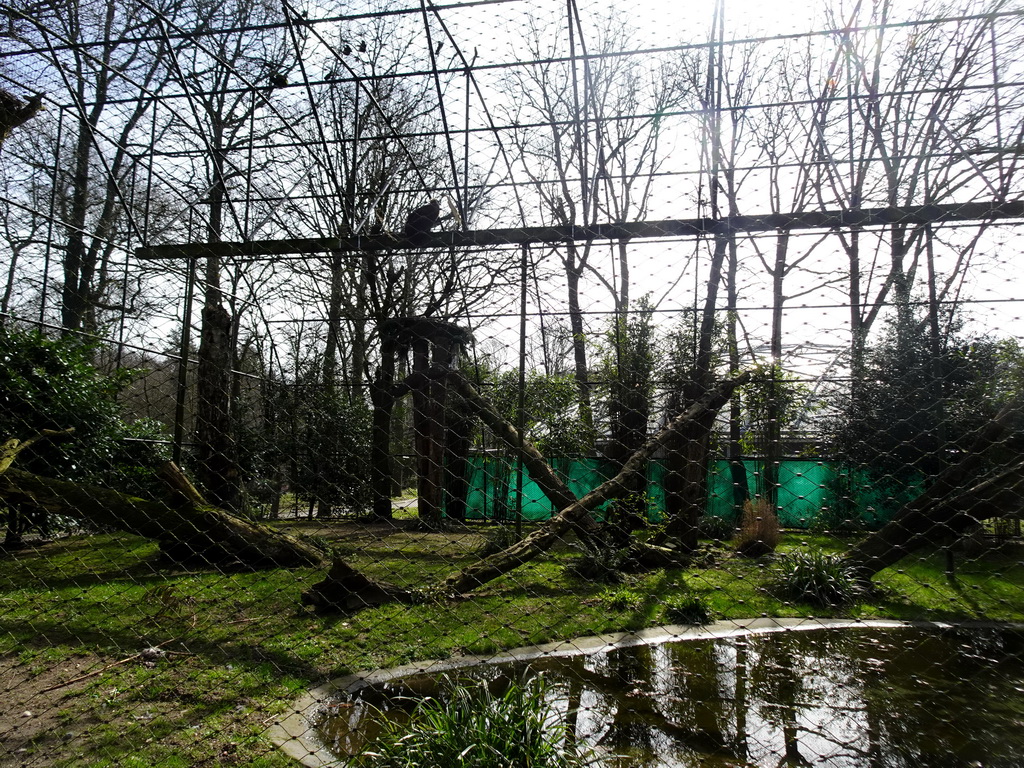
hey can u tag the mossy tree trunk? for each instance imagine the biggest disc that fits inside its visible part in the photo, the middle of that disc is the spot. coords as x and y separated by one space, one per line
187 528
951 505
186 531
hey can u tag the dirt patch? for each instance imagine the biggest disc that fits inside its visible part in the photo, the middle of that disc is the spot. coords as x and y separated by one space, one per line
40 712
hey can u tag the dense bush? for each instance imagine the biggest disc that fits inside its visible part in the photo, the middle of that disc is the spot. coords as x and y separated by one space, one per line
52 384
715 528
914 407
332 452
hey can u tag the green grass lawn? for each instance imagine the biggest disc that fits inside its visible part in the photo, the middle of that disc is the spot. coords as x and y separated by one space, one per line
240 647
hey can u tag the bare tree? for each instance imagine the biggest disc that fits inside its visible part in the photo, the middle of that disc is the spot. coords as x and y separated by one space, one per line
726 77
916 133
103 68
226 82
602 119
375 144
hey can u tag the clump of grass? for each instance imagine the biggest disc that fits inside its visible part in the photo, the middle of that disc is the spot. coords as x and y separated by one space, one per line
759 530
715 528
816 577
623 599
688 609
497 540
476 728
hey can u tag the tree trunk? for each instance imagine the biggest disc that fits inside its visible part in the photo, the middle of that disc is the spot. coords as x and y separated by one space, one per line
689 454
579 339
428 489
333 344
944 508
543 475
217 464
571 516
737 469
380 436
77 272
347 589
686 471
187 529
458 440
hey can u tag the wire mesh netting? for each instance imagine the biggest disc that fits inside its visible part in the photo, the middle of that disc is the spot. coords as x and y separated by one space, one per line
536 372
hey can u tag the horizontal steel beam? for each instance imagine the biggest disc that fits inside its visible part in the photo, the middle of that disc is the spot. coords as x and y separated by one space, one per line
641 230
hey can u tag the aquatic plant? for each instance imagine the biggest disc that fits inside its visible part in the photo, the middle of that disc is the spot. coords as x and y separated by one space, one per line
473 727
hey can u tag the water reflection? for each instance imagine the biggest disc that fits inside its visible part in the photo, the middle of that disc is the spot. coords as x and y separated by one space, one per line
848 698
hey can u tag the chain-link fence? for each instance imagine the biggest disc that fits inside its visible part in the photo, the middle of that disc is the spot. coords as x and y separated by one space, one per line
510 383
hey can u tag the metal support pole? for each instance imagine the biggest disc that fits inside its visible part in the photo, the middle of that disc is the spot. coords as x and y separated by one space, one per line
521 406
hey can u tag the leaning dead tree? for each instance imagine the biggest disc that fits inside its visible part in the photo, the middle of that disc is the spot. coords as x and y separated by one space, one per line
187 527
346 589
951 506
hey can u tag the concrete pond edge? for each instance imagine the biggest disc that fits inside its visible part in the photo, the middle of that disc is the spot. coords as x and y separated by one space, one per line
295 734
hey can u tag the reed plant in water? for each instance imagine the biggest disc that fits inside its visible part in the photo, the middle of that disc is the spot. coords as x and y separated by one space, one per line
475 727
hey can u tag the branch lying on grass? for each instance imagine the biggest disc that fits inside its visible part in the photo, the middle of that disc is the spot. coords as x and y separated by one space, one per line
946 508
346 589
100 671
188 528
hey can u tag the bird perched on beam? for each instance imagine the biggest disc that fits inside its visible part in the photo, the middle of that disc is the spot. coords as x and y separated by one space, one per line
423 219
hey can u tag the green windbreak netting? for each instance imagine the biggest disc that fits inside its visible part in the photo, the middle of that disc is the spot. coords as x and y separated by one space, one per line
808 489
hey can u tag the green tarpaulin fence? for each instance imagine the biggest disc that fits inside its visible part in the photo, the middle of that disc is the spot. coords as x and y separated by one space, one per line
806 487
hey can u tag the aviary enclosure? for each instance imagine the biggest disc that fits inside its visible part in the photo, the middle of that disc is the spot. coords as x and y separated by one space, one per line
341 335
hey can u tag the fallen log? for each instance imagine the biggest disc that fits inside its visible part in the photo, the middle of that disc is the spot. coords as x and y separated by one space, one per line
345 588
186 530
938 523
948 507
558 526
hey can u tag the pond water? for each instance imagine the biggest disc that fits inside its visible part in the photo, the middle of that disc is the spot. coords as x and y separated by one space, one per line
843 698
